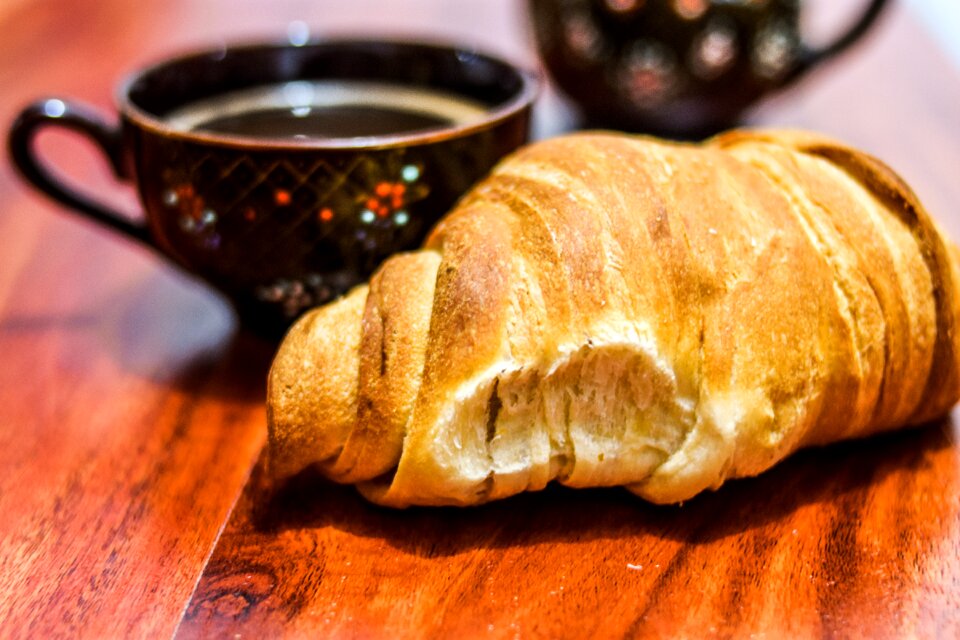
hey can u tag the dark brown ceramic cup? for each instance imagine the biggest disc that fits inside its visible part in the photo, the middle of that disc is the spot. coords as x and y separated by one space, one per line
282 223
679 68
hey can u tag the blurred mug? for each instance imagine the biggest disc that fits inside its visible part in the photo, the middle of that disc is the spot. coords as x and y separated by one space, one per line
679 68
283 174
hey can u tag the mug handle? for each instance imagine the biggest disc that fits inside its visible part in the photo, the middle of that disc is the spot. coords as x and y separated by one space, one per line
812 56
53 112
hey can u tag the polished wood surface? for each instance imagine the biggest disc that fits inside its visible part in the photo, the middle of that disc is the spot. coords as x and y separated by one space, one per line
132 416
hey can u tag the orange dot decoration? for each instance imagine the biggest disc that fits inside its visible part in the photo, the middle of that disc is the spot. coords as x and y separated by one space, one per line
185 191
387 198
281 197
325 214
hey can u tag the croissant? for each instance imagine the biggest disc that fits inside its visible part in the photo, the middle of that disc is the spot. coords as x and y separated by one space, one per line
609 310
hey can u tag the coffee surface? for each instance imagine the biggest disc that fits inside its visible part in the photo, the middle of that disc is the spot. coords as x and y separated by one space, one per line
324 122
326 109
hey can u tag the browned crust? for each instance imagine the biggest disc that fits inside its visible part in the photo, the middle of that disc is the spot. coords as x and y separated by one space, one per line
770 303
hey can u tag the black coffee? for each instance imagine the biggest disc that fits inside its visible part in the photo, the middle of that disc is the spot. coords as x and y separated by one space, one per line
324 122
326 109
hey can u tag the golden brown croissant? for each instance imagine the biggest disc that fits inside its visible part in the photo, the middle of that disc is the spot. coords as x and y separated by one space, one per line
613 310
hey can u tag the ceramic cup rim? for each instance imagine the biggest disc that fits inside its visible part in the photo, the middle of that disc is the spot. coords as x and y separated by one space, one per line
529 80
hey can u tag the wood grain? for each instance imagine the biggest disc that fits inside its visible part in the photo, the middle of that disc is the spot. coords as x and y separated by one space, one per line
857 540
130 408
131 414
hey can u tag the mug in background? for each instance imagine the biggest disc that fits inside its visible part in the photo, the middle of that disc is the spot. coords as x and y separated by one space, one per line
678 68
282 174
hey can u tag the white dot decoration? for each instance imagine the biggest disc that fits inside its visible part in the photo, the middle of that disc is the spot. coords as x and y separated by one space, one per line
713 51
773 51
367 216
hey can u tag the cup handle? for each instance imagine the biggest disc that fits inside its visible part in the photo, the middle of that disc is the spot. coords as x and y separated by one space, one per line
54 112
812 56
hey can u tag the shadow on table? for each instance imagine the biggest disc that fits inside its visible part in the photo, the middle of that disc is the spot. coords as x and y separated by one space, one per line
167 328
841 475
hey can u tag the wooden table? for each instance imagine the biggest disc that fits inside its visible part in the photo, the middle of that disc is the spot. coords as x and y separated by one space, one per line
132 414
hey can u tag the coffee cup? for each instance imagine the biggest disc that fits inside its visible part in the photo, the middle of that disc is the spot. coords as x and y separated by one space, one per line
283 174
679 68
